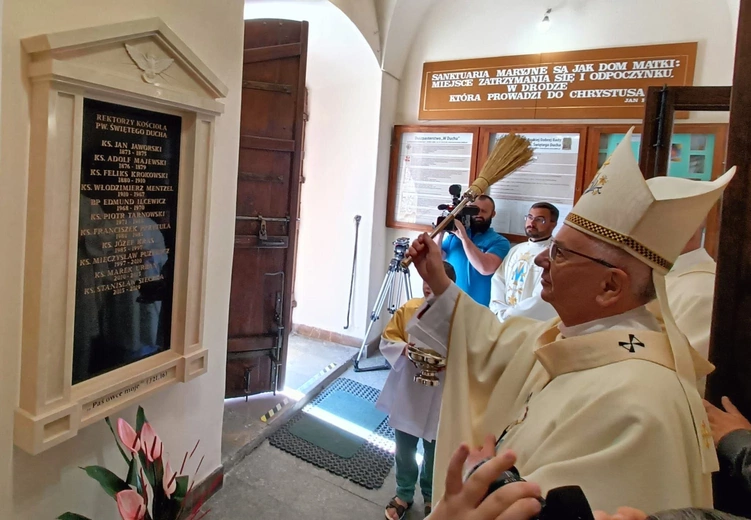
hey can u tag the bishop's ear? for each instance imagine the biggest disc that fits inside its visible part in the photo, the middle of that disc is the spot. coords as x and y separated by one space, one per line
614 288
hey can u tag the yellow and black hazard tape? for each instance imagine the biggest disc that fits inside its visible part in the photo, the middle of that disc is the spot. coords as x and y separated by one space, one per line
275 410
313 380
278 408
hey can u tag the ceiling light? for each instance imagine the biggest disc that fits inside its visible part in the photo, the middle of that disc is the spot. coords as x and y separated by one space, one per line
544 25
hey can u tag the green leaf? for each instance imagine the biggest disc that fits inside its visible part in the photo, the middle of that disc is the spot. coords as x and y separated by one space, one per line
72 516
117 441
158 489
182 487
140 420
110 482
133 479
148 468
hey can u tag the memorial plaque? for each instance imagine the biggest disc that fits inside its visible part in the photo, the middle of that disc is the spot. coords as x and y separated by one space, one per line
130 161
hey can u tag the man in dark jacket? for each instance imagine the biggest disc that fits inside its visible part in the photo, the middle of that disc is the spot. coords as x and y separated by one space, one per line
731 432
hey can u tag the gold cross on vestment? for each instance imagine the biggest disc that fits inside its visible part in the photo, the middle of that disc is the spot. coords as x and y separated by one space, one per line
706 434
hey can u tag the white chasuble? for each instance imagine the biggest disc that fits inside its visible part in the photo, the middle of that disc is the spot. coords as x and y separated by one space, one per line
604 410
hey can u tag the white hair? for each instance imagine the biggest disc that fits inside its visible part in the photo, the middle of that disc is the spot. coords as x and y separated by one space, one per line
640 274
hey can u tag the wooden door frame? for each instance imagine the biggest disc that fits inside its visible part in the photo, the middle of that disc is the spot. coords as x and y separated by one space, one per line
728 338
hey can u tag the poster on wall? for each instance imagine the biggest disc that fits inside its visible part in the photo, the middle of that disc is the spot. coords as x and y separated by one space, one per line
550 177
428 163
597 83
126 236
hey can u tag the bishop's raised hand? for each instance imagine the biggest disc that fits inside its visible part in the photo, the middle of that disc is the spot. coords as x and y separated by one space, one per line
427 259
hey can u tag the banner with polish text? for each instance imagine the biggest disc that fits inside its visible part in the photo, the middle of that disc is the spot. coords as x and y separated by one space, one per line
590 84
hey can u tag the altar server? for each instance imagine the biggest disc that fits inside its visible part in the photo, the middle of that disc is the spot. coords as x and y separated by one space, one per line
413 409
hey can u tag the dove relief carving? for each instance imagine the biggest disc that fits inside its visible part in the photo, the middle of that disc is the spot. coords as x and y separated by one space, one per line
151 65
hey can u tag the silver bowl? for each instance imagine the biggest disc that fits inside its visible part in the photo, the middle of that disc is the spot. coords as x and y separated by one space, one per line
429 362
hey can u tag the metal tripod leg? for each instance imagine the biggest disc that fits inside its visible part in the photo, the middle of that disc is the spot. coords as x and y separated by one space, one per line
387 290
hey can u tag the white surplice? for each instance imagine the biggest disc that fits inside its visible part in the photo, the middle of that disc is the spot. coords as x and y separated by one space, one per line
413 408
690 288
515 287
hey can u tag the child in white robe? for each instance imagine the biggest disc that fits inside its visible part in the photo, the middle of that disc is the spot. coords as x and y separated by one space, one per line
413 410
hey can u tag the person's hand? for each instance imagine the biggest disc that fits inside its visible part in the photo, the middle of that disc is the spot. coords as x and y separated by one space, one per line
477 455
723 423
461 231
464 500
427 258
623 513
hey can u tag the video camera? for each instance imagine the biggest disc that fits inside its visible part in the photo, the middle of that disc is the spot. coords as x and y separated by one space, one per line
561 503
464 216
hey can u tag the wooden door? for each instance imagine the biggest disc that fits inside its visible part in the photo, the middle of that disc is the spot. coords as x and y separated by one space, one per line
268 191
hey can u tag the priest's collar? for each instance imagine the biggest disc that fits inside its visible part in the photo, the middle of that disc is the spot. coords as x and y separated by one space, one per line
635 319
540 240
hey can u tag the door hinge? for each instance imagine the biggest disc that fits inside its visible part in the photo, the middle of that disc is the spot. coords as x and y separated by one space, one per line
264 240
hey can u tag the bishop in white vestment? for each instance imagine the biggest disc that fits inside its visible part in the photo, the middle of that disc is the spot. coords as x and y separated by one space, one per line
610 403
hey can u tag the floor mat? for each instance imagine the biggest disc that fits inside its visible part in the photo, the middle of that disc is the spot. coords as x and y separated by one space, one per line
310 436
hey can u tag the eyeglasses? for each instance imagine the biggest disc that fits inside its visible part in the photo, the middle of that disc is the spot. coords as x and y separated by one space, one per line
539 220
555 248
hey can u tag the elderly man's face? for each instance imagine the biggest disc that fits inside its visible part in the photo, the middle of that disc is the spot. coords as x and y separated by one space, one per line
570 280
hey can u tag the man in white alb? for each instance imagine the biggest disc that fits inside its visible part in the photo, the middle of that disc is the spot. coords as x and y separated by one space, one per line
690 285
515 287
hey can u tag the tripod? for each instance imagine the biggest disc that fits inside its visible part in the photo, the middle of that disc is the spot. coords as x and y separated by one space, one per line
396 277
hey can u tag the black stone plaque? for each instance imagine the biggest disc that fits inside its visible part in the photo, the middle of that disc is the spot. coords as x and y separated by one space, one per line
130 161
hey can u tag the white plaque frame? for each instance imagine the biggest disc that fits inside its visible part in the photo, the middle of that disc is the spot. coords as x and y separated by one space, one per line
64 68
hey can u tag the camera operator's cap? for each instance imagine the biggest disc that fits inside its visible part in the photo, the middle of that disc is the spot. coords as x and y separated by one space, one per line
650 219
653 220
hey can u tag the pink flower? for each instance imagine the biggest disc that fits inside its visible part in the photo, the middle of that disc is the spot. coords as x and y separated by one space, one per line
151 443
128 436
169 481
130 505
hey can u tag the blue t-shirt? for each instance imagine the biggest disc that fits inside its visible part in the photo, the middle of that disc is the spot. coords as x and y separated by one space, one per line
468 278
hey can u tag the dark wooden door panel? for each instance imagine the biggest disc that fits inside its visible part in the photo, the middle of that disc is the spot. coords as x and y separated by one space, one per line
267 207
247 374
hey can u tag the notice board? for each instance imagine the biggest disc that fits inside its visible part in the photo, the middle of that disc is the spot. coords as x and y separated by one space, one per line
593 84
425 162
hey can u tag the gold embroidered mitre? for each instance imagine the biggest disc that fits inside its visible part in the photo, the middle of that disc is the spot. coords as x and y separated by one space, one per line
652 220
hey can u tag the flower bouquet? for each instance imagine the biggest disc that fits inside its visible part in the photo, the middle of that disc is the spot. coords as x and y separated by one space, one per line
152 490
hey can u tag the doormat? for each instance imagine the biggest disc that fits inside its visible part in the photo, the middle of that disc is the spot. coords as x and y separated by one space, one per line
360 453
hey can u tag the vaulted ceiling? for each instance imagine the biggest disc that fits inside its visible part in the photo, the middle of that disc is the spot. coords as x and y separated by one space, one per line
389 26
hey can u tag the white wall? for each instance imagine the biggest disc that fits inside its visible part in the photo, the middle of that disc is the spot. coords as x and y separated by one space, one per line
344 85
51 483
485 28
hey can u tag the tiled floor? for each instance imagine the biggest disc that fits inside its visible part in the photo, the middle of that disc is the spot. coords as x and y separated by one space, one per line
274 485
305 359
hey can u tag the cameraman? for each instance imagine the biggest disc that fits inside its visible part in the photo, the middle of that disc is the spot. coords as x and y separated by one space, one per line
475 254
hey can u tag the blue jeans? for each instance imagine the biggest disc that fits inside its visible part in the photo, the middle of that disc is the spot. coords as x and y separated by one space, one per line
407 470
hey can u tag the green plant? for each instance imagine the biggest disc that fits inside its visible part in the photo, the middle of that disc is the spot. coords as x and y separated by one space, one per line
151 490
